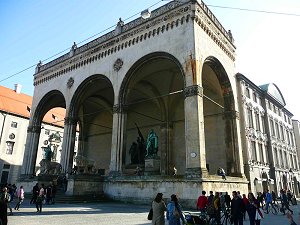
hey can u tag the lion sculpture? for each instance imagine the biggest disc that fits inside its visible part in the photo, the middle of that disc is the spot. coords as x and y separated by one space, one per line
51 168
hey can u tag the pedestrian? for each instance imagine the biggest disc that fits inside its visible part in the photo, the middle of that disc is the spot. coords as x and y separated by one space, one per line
289 196
202 202
20 195
245 202
49 194
35 193
268 200
284 202
254 213
237 209
5 197
174 212
227 200
159 208
290 219
274 197
40 199
3 213
210 204
54 189
217 206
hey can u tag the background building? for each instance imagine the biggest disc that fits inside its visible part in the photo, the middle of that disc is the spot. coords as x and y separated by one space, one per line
268 138
14 118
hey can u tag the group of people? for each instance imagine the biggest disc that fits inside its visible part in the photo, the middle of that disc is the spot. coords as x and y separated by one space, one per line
239 205
40 195
174 211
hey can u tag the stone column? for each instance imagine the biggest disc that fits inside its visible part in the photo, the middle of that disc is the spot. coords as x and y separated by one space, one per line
194 132
31 149
234 153
118 134
68 144
165 143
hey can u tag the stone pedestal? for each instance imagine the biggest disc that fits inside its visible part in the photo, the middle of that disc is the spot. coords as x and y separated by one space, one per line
152 166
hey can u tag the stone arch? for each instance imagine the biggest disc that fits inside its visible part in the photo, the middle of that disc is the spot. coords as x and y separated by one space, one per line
51 100
151 103
219 118
91 113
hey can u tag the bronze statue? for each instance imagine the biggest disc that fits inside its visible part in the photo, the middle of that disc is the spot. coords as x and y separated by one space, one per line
152 144
48 153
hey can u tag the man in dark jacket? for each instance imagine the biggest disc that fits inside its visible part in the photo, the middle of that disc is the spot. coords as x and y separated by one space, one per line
3 212
237 209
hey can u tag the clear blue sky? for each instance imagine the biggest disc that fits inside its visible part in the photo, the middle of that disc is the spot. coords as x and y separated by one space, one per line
267 44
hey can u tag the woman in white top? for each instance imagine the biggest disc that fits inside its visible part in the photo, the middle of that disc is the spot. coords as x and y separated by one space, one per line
20 195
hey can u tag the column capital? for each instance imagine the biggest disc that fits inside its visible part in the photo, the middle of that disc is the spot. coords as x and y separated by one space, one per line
34 129
231 115
71 120
119 108
193 90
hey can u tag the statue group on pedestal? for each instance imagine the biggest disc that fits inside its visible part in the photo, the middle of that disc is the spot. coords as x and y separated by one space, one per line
142 149
48 167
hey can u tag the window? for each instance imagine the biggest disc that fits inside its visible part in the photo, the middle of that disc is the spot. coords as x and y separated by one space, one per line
254 97
9 147
275 157
253 148
277 130
6 166
250 119
257 121
272 128
248 92
263 124
14 124
260 149
281 132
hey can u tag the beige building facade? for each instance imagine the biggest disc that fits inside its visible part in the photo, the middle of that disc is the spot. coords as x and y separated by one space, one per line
268 138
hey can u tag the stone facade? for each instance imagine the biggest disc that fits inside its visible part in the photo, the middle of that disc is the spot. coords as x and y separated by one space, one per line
270 153
173 73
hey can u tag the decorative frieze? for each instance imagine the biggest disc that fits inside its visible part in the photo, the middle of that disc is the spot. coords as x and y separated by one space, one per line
112 42
70 82
192 91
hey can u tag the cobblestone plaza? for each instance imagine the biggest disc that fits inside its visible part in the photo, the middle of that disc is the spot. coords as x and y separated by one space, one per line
105 213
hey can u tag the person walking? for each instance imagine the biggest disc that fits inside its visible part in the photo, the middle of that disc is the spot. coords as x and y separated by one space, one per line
268 200
227 200
5 196
20 195
253 210
290 219
3 212
237 209
284 202
202 202
174 212
159 208
245 202
35 193
217 206
40 198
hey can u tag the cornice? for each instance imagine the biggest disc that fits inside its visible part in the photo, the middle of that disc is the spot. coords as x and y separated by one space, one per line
162 20
210 24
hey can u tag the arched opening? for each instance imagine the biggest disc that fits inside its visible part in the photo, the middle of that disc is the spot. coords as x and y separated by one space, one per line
91 107
152 93
218 108
49 117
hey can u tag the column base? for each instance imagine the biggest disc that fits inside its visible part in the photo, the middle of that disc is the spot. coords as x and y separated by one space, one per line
196 173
